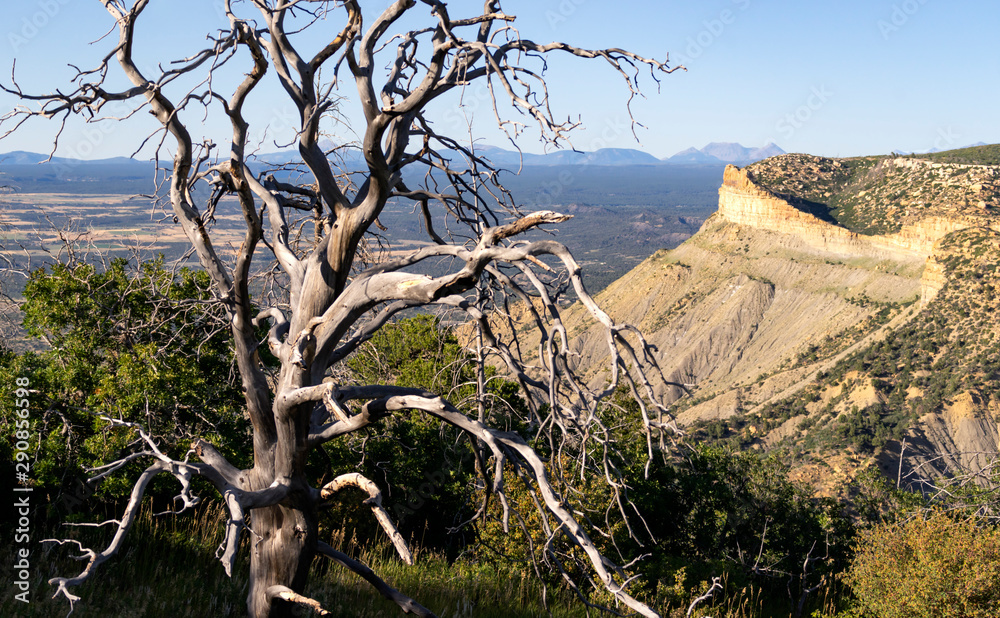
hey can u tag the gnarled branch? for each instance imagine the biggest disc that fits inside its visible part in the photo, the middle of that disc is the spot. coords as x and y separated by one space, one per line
374 500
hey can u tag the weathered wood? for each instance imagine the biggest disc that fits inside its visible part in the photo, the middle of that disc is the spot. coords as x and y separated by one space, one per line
374 500
328 308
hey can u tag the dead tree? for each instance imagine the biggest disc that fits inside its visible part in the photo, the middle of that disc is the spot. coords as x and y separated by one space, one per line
334 300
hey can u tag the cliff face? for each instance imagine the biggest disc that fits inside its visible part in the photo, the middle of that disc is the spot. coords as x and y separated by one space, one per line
738 300
932 281
743 202
879 196
773 295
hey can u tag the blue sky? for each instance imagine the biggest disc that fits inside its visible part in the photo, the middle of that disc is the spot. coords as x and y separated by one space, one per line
833 78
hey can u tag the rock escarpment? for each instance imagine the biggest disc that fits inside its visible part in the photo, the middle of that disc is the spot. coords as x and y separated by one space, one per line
743 202
740 298
775 300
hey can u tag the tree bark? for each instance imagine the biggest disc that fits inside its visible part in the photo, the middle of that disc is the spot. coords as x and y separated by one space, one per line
283 536
282 547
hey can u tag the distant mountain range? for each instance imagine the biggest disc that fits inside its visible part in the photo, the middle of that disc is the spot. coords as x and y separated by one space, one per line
716 153
20 157
935 149
725 152
604 156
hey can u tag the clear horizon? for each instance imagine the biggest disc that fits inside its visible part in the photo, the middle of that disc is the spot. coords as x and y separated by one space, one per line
845 79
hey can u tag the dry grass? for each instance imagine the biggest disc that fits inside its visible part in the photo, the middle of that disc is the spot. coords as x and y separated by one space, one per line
167 569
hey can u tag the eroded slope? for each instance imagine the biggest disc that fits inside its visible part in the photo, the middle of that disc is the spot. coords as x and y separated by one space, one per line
785 314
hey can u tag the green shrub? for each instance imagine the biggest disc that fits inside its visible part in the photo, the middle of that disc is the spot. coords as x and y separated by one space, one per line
935 567
138 342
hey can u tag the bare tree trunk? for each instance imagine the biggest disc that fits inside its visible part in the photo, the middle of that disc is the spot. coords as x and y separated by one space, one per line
283 544
326 305
284 535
